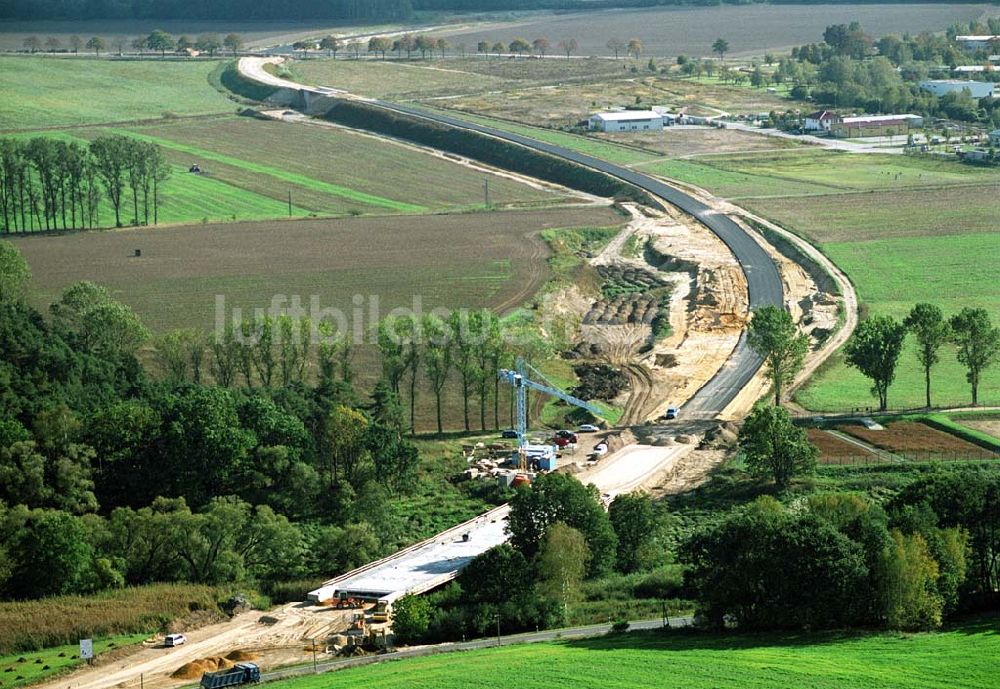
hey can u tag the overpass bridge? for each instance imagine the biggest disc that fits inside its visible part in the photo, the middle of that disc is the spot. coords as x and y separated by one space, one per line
437 560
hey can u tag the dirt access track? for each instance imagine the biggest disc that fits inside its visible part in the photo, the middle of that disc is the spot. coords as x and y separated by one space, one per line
278 637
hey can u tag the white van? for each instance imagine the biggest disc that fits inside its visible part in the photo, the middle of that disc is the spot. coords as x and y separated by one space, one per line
171 640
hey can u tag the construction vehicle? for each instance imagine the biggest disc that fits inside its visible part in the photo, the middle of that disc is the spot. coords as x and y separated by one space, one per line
347 603
518 379
359 627
241 673
380 613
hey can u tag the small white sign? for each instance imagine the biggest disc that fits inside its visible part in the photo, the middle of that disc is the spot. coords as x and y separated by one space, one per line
86 649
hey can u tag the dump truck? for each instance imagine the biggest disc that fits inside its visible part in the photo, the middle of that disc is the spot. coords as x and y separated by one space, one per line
241 673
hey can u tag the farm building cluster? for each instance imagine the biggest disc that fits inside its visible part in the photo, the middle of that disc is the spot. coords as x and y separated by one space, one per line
858 126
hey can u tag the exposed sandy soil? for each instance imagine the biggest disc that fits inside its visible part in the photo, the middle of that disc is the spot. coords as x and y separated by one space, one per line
688 141
817 312
278 637
707 311
708 308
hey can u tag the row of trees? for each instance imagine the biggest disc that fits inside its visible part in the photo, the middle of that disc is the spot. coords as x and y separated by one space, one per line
426 44
52 184
417 354
389 10
156 41
90 444
877 343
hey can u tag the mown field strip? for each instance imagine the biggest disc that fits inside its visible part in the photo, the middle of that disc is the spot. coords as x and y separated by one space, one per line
278 173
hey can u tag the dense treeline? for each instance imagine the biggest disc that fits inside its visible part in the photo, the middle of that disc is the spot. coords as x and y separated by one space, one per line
842 560
851 69
503 154
52 184
315 9
110 477
214 9
561 537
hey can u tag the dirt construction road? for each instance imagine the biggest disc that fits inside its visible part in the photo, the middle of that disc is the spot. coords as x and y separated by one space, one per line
277 643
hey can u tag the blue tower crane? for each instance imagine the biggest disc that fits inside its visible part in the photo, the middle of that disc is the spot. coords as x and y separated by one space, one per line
518 378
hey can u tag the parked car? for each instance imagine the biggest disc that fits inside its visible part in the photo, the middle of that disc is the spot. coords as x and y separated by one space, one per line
508 433
171 640
561 441
569 435
587 428
672 413
600 449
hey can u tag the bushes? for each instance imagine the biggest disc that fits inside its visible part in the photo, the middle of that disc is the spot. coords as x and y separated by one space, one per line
229 78
487 149
766 568
33 625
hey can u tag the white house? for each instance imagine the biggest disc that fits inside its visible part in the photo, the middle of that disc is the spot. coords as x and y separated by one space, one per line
626 121
974 43
820 121
978 89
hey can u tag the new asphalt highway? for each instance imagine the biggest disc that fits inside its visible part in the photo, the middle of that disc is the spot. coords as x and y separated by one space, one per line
763 281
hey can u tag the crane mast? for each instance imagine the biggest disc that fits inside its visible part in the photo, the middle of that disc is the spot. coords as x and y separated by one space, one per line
519 380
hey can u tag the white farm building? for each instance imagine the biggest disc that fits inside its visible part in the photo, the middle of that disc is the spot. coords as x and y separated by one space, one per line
977 89
626 121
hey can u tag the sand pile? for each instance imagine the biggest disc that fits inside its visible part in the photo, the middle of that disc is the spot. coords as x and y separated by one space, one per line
240 656
196 668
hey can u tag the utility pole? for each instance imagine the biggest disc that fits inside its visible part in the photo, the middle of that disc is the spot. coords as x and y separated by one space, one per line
486 191
314 655
289 203
497 617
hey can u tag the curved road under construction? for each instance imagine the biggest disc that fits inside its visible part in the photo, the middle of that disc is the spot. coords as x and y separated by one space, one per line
431 563
763 281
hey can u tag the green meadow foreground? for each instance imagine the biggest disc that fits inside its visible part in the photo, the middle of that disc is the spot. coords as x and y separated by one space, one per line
964 657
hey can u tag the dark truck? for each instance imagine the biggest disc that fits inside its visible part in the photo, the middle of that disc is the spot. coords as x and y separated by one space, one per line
242 673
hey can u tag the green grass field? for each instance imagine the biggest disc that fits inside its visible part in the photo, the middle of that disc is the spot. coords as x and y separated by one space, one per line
901 247
960 658
250 167
893 274
22 669
48 92
853 171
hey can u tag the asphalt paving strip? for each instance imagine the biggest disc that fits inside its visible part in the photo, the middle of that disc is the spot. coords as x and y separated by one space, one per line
764 284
